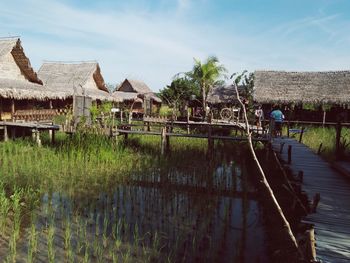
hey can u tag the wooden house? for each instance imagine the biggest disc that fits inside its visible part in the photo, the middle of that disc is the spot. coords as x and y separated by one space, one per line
137 96
305 95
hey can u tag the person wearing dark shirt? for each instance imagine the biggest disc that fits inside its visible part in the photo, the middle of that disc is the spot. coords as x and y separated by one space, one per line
277 116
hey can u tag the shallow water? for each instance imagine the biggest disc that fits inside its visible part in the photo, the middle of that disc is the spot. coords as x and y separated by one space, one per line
193 214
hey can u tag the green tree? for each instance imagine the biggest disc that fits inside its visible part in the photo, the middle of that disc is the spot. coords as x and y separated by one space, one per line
178 93
206 75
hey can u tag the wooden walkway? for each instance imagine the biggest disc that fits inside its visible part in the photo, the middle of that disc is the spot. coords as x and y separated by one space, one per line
332 218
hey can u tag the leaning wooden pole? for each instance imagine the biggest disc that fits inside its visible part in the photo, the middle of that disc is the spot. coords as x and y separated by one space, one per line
263 177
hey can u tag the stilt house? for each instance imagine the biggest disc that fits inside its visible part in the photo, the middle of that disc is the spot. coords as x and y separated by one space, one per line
305 95
20 87
138 97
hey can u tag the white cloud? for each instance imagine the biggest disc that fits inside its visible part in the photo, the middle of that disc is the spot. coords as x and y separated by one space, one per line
154 46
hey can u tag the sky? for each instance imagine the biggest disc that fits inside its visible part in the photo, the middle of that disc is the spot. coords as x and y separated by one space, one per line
153 40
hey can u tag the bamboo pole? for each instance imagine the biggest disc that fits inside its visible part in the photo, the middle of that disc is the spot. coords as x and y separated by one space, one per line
263 177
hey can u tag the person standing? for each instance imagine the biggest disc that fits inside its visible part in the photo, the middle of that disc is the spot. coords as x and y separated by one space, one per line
277 116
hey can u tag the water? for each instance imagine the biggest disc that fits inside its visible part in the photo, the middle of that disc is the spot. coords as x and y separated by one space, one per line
198 213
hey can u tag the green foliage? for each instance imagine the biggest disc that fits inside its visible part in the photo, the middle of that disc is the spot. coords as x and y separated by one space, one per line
314 136
178 94
206 75
165 111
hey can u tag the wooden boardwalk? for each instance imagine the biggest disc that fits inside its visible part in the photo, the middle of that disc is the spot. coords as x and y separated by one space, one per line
332 218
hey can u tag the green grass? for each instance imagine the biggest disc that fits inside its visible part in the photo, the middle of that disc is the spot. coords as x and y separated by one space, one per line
82 168
315 136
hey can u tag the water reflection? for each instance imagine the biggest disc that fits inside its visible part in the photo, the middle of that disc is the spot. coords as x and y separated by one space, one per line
166 215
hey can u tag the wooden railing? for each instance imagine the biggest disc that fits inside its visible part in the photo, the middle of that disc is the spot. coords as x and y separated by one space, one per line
36 115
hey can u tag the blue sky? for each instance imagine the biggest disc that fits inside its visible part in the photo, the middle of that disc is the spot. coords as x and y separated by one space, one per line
155 39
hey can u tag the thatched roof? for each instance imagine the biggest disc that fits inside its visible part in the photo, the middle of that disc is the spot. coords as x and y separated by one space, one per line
223 94
8 68
61 74
302 87
136 87
130 85
21 89
75 78
125 96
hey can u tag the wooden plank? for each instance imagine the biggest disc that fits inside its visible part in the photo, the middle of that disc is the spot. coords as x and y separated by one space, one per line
332 217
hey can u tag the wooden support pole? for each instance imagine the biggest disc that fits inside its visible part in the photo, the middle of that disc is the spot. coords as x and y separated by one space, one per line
6 134
289 154
210 142
319 149
37 137
300 176
311 247
13 109
301 134
324 118
281 146
167 140
337 140
163 141
13 133
188 120
53 136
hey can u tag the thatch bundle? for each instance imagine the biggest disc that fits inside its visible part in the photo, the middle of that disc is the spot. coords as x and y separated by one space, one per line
302 87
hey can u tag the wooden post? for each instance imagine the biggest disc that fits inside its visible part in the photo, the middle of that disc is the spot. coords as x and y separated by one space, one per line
301 134
167 140
300 176
13 133
324 118
188 120
52 136
37 137
13 109
288 126
289 154
163 141
311 247
1 109
281 146
337 139
210 141
319 149
6 135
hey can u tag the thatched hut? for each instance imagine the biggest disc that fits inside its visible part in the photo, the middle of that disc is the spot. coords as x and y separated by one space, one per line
297 90
82 78
20 87
137 96
224 95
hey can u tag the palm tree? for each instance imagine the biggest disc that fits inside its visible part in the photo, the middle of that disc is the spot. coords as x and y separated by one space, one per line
206 75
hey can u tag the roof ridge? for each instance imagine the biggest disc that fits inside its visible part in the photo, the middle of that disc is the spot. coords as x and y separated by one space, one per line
10 37
69 62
